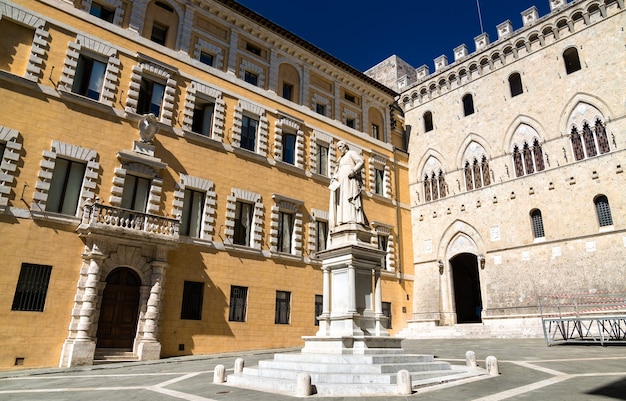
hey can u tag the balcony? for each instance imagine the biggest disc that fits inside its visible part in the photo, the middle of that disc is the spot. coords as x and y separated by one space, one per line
115 221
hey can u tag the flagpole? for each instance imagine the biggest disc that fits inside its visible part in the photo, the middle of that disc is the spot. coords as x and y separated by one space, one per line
480 18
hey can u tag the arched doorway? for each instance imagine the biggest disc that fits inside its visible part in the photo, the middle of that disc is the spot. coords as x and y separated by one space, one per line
117 325
466 284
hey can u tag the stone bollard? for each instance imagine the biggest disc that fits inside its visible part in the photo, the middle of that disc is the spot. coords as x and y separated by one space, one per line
239 365
405 387
470 359
303 385
219 374
491 363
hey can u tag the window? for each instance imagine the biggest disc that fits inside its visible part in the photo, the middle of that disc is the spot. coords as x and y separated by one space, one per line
477 174
528 159
32 286
251 78
159 33
577 145
193 208
193 293
349 97
375 131
571 60
468 104
537 222
289 148
3 146
383 243
380 181
515 84
435 186
322 159
102 12
387 313
285 232
89 77
322 235
283 300
248 133
253 49
243 223
350 122
65 186
150 97
428 121
238 301
591 142
603 211
203 118
319 307
287 91
320 109
135 193
206 58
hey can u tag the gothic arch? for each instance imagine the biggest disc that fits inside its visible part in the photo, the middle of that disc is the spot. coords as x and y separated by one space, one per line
460 157
421 165
459 237
569 110
513 130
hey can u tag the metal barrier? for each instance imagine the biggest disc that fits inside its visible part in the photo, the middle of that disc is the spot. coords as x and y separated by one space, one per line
583 318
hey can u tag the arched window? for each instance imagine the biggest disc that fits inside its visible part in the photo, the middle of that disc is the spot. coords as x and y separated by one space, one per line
538 153
528 159
517 162
428 121
537 223
469 180
603 211
477 174
603 140
515 84
577 145
434 186
591 142
468 104
571 60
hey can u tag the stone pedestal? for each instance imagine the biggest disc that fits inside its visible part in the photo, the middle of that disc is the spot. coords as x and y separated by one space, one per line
352 320
149 351
77 353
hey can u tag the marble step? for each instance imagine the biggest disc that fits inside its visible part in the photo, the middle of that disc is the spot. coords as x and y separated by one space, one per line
315 367
351 358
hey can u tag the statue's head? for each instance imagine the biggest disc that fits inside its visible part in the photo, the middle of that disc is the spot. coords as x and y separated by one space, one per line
342 146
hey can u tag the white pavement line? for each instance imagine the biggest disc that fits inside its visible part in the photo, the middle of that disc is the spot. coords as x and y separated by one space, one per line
178 394
539 368
70 389
525 389
178 379
44 377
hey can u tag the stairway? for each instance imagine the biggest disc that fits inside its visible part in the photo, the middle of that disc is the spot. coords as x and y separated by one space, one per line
347 374
114 355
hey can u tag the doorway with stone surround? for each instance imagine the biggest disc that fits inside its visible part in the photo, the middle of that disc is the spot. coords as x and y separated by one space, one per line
466 288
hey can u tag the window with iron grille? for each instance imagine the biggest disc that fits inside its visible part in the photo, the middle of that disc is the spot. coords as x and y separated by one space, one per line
283 301
193 294
387 313
537 222
238 303
577 145
319 307
603 211
32 286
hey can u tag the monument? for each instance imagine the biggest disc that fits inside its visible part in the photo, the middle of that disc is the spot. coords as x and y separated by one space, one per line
352 353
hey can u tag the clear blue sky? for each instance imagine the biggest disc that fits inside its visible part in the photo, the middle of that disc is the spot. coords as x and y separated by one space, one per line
363 33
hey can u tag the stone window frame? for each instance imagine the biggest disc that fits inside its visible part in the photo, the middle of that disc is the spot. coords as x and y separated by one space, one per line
526 134
140 170
323 138
382 229
210 202
152 71
8 164
434 167
289 205
118 17
208 47
47 165
286 124
111 75
316 215
41 39
318 99
256 236
348 114
200 90
378 162
262 135
248 66
475 152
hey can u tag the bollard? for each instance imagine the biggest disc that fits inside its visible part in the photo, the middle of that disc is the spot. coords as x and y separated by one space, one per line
491 363
303 385
239 365
405 386
219 374
470 359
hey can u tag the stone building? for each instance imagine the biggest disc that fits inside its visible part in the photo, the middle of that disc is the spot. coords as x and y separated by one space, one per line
164 180
517 156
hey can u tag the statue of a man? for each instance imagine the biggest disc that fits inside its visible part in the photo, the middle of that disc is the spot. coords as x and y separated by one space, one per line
346 204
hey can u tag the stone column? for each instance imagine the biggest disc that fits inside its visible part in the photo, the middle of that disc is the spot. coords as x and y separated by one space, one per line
324 318
149 346
351 289
380 329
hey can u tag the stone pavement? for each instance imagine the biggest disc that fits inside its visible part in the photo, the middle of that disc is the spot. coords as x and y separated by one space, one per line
529 370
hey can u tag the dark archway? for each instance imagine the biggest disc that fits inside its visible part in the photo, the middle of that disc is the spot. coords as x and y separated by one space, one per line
466 282
119 310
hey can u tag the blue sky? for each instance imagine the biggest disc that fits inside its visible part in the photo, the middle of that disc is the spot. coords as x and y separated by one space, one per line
363 33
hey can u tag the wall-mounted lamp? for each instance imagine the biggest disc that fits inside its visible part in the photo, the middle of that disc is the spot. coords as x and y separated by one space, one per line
481 260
